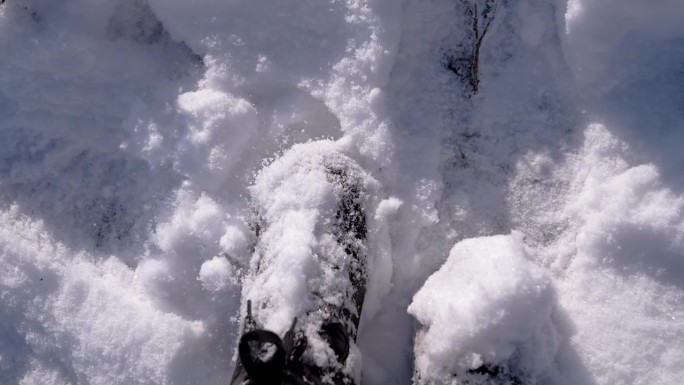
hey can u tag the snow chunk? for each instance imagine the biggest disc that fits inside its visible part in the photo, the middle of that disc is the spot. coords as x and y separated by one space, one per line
220 127
218 274
488 304
196 223
197 229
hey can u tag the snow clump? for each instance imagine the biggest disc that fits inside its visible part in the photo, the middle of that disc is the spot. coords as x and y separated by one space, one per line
489 304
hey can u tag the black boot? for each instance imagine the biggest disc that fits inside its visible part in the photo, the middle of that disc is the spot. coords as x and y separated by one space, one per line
328 278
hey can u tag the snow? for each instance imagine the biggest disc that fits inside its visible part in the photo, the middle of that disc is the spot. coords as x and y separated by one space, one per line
537 223
72 321
218 275
628 252
489 303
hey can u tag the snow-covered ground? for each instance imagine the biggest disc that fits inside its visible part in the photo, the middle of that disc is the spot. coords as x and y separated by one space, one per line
534 219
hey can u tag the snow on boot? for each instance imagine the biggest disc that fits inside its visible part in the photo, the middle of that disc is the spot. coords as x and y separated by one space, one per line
485 317
309 265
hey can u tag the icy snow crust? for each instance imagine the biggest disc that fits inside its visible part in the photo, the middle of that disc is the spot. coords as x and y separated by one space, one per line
536 225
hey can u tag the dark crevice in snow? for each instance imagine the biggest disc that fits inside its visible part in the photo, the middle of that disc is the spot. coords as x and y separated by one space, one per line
134 20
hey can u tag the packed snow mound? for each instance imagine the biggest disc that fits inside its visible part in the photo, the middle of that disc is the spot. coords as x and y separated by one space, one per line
489 304
628 217
621 266
218 275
